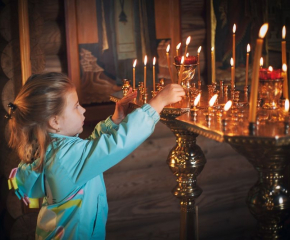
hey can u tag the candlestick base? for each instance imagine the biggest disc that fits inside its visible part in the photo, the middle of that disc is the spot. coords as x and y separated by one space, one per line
154 93
126 86
144 97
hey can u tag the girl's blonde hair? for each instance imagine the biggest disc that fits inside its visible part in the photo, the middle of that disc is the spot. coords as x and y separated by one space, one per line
40 98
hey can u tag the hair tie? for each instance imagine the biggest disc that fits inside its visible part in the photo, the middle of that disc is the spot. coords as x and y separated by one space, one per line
12 107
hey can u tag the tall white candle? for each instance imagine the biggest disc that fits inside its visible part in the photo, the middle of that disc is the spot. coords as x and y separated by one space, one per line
154 61
247 64
145 63
255 74
134 65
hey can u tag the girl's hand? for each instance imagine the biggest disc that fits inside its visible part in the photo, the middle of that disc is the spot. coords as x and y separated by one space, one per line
171 93
122 107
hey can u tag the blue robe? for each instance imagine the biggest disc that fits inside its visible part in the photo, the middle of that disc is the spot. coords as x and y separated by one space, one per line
72 184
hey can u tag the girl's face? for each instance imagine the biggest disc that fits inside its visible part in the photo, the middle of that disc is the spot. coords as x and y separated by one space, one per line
71 120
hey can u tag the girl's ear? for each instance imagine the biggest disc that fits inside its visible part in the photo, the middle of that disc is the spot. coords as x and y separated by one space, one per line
53 123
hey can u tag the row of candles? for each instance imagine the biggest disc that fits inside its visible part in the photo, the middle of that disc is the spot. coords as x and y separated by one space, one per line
255 73
182 62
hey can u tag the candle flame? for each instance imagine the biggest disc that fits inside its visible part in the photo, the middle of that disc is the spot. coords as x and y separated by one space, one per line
187 54
212 49
248 48
182 60
196 101
270 68
178 46
145 60
234 28
212 100
263 30
284 32
154 61
284 67
261 62
188 40
287 105
168 48
135 62
198 50
228 105
232 62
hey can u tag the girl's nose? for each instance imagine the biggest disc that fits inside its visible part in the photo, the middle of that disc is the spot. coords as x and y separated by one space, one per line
83 110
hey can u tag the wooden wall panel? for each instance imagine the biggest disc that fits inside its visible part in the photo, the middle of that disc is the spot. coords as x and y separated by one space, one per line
86 11
162 19
72 44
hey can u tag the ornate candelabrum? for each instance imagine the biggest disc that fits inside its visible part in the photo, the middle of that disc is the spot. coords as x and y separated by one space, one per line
186 159
267 149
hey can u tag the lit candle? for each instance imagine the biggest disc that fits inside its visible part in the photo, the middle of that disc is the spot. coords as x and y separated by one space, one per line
234 49
154 61
286 109
232 75
227 107
198 63
187 54
177 49
181 70
213 65
196 100
284 61
255 74
211 102
187 43
134 65
247 64
261 62
145 62
285 83
286 113
168 62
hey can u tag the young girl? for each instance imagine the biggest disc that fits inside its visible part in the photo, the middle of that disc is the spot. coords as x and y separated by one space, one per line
45 120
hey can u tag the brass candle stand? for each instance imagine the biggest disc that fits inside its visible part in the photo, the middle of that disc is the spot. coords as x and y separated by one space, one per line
186 161
267 149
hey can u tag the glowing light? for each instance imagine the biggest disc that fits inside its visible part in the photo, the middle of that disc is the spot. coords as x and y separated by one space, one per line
228 105
234 28
232 62
135 62
212 100
154 61
263 30
199 49
287 105
280 200
283 32
182 60
261 62
284 67
178 46
188 40
270 68
145 60
248 48
168 48
197 99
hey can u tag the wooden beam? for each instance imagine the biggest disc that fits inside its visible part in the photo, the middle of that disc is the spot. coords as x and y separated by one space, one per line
72 44
87 21
24 40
